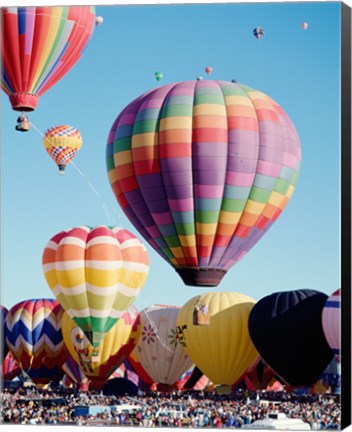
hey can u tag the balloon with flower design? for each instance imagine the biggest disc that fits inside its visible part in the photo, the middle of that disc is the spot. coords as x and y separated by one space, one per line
158 349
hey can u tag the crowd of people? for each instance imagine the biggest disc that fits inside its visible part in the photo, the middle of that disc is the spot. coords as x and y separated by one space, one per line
188 409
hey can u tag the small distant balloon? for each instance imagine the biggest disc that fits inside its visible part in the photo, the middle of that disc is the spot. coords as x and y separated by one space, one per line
199 78
304 26
208 70
99 20
159 76
234 81
258 32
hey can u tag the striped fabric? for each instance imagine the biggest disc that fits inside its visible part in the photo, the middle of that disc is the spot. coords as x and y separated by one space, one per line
62 144
39 46
96 274
33 335
203 169
9 368
4 349
331 321
98 363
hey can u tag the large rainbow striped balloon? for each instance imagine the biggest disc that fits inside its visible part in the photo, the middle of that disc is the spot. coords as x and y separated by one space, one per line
62 144
96 274
39 45
33 335
203 169
331 321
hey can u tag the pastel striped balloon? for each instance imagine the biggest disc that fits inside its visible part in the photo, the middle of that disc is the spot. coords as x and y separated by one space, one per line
331 321
33 335
96 274
39 46
203 169
62 144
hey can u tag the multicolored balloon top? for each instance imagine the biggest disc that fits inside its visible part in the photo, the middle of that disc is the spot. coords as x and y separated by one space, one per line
203 169
62 144
96 274
39 46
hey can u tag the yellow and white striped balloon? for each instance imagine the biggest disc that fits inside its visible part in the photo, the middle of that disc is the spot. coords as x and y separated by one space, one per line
96 274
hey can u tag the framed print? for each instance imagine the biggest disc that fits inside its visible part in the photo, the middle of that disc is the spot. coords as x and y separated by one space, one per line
176 215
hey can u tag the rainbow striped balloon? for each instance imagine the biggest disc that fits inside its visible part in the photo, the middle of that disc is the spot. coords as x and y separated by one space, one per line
39 46
96 274
33 335
331 321
62 144
203 169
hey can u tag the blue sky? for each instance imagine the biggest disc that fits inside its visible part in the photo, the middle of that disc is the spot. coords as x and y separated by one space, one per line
297 68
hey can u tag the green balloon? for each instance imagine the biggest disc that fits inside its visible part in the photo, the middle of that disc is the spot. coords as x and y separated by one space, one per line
158 76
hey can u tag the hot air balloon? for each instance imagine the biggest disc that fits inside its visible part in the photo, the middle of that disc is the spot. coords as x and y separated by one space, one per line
9 368
208 70
158 349
202 169
98 363
331 321
62 144
139 370
159 76
213 330
258 32
260 376
74 374
33 335
199 78
4 349
39 45
304 25
99 21
96 274
286 329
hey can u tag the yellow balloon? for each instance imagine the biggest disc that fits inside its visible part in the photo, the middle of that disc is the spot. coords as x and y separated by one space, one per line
213 330
98 363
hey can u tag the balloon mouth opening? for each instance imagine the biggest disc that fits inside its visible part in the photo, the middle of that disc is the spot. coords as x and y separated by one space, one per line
201 277
24 101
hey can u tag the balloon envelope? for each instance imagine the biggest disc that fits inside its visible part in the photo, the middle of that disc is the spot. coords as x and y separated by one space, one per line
62 144
9 368
98 363
34 337
286 329
4 349
203 169
158 349
331 320
96 274
39 46
258 32
213 330
208 70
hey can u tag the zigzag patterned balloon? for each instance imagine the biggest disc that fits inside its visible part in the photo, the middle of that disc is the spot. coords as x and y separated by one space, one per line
33 335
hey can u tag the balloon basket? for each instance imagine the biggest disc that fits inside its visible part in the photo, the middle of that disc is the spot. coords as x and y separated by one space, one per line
209 277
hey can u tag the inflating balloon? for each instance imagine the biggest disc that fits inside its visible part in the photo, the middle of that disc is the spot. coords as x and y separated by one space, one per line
98 363
286 329
9 368
158 349
331 320
39 46
33 335
96 274
203 169
62 144
258 32
213 330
